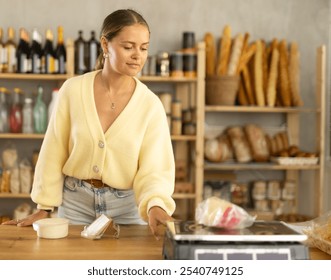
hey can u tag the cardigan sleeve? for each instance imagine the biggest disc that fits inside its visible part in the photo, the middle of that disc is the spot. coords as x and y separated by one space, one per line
48 177
155 178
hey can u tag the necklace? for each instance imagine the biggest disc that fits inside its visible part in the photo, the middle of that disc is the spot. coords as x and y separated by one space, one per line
112 103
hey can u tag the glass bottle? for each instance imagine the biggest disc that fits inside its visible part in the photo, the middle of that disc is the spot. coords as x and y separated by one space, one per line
40 113
55 93
4 111
23 53
15 114
60 51
9 65
93 51
49 57
28 116
80 46
36 52
2 52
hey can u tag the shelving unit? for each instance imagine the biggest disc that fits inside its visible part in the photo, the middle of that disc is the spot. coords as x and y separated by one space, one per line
189 147
292 115
56 79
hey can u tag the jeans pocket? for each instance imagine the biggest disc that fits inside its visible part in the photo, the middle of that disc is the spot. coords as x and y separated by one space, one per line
122 194
70 183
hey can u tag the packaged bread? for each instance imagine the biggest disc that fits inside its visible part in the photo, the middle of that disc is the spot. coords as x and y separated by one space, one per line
210 54
258 143
239 143
224 51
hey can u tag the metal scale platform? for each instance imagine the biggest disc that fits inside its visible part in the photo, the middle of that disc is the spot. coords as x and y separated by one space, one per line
264 240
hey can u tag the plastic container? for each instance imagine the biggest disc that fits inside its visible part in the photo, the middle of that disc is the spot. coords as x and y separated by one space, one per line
51 228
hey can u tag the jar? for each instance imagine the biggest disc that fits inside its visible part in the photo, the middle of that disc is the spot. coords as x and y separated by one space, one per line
190 64
188 40
27 116
4 111
162 64
176 64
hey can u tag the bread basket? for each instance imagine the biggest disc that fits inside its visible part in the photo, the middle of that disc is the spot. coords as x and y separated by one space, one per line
222 90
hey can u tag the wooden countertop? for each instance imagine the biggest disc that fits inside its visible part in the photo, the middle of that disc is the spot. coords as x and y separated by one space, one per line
135 243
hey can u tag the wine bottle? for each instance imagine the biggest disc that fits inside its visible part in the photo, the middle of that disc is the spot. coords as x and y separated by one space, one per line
93 51
61 54
23 53
36 52
15 114
80 47
4 110
48 60
40 113
9 65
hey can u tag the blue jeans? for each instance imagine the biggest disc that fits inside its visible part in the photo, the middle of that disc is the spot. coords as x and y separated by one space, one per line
82 203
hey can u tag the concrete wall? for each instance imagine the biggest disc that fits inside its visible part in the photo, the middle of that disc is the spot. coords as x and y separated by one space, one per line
304 21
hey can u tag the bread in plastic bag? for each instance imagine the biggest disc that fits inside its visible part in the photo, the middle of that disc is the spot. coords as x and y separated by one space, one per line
216 212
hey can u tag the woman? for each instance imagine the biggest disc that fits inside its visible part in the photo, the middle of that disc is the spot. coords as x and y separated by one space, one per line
107 148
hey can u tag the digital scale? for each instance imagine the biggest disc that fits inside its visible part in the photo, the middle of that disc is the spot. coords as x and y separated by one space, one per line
264 240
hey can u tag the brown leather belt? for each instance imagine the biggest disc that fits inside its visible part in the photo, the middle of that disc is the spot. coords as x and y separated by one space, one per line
95 183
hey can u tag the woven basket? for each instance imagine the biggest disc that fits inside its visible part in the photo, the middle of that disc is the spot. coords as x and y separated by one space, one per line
221 90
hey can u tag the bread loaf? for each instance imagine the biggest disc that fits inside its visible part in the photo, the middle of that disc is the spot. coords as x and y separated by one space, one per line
239 143
224 51
294 74
210 54
246 56
212 150
242 98
258 143
235 55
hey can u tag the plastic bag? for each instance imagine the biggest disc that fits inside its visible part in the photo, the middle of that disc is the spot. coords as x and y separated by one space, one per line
216 212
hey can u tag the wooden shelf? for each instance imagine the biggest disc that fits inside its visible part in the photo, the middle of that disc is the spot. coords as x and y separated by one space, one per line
46 77
184 195
257 109
159 79
13 195
256 166
183 137
21 136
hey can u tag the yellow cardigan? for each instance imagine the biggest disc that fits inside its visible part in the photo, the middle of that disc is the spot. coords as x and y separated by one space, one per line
135 152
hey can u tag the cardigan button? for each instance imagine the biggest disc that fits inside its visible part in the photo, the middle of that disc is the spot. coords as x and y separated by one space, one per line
95 168
101 144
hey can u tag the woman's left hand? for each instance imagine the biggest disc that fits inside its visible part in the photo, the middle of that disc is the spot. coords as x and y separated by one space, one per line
157 216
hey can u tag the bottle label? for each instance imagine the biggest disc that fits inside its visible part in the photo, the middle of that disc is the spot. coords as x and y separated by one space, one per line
93 56
11 56
81 64
36 64
50 64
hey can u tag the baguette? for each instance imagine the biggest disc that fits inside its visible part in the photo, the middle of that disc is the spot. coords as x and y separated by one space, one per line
224 51
242 98
248 86
272 79
284 83
294 73
210 54
235 55
265 68
258 74
250 51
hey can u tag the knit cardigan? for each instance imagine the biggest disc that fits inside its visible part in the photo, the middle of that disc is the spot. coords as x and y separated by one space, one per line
135 152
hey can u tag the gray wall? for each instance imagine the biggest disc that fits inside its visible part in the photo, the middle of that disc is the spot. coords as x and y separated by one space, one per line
304 21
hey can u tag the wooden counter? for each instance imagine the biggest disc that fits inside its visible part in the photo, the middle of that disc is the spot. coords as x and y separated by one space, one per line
135 243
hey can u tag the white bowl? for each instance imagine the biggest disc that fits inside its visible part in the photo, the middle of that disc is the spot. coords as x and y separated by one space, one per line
51 228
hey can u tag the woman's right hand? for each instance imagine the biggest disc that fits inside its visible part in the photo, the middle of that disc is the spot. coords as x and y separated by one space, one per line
29 220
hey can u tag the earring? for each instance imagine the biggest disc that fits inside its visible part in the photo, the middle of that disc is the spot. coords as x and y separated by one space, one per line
105 55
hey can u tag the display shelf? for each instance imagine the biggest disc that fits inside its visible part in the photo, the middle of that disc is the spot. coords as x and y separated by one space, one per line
292 114
21 136
257 166
14 195
46 77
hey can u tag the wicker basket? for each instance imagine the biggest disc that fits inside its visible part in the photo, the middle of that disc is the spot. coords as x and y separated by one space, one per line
221 90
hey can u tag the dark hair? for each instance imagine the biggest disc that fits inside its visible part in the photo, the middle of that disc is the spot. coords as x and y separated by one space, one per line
114 23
